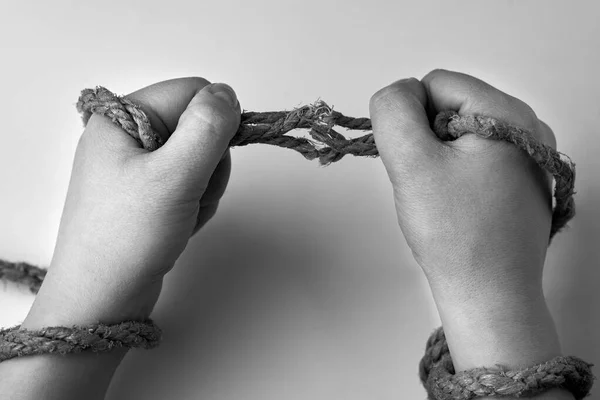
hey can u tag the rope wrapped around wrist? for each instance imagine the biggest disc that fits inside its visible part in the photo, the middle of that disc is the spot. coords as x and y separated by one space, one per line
438 376
327 145
17 342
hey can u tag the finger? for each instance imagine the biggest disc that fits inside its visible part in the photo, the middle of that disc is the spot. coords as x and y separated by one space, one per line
215 190
204 215
218 182
164 102
546 134
467 95
203 132
400 126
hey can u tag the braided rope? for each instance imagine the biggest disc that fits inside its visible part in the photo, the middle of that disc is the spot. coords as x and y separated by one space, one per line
17 342
435 369
439 378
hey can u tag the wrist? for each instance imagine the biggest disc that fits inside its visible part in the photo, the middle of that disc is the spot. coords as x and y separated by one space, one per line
513 330
59 303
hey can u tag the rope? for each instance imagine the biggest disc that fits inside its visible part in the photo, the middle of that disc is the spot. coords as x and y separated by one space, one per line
328 146
17 342
439 378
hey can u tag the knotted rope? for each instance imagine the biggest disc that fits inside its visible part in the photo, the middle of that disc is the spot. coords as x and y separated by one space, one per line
436 368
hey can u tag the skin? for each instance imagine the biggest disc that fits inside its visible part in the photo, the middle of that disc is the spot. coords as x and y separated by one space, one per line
476 214
128 216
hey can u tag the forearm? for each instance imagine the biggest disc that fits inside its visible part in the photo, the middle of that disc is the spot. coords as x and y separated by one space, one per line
514 329
85 375
56 377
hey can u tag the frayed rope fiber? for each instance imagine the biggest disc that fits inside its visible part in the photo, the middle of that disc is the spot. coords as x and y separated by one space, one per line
436 368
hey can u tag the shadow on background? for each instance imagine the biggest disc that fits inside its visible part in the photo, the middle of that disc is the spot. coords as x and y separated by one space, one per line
231 281
284 306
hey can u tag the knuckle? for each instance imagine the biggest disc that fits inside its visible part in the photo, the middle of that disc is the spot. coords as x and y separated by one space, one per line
207 114
442 77
196 81
526 111
379 96
485 99
469 85
522 113
398 92
436 73
546 134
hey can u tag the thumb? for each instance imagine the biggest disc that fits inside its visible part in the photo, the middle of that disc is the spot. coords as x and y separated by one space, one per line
401 128
191 154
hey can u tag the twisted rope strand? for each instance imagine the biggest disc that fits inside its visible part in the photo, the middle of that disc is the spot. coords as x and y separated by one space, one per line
328 145
17 342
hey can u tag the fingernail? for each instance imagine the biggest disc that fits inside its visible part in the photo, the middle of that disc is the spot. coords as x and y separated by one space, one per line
225 92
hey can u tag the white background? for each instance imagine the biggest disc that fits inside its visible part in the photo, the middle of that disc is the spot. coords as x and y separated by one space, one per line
302 287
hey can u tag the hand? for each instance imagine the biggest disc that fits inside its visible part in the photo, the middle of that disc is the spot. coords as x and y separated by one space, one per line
129 213
473 211
476 214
